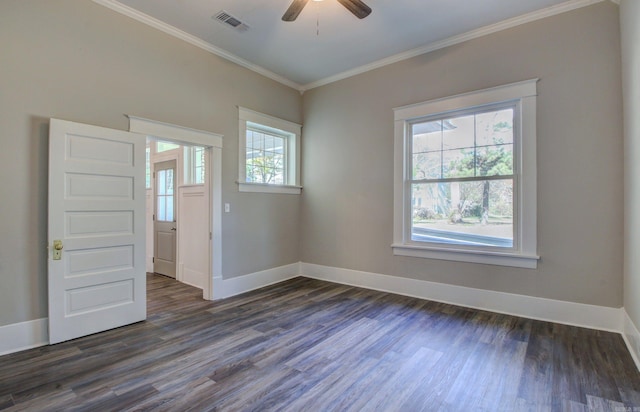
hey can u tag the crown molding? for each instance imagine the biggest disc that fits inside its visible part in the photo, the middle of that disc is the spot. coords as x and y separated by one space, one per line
470 35
195 41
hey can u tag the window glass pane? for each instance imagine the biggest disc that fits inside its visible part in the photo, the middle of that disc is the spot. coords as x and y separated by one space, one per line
478 213
427 165
459 133
258 141
162 182
161 212
278 144
169 215
427 137
494 160
268 143
169 189
458 163
199 166
270 174
494 127
194 165
165 146
278 160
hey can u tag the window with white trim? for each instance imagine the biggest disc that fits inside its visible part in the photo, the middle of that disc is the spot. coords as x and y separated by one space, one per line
465 177
194 165
269 154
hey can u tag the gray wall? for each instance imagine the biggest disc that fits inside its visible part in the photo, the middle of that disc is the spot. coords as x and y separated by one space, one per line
347 207
630 30
79 61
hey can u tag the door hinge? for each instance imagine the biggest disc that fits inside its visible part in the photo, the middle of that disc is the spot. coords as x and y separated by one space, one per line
153 260
210 236
154 217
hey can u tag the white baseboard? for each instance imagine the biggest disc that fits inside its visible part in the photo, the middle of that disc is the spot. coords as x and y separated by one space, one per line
224 288
24 335
631 337
568 313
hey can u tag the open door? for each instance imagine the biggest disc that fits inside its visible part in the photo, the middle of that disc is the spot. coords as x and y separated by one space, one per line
96 238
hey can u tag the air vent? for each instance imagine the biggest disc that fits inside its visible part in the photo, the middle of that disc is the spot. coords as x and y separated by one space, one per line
228 20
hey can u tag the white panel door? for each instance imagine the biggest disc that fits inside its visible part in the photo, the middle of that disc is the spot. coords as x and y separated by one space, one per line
97 281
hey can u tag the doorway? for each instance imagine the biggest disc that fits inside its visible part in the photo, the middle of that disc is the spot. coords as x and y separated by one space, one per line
199 144
96 265
178 211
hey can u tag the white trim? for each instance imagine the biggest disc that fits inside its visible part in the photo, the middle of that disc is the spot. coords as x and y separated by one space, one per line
267 120
174 133
21 336
290 131
470 35
213 143
502 93
631 337
460 38
471 256
215 230
193 40
549 310
524 254
24 335
266 188
234 286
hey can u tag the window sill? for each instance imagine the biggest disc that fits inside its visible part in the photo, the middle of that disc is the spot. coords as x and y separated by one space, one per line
471 256
266 188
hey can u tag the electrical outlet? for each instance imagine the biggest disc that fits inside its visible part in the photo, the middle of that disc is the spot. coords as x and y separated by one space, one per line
227 208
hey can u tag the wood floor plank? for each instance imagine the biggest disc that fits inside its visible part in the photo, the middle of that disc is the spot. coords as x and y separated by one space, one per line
306 344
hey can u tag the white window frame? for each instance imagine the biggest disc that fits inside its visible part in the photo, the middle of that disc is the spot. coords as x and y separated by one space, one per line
270 124
189 156
524 254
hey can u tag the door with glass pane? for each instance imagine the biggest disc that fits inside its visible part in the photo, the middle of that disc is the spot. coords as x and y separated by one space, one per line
165 225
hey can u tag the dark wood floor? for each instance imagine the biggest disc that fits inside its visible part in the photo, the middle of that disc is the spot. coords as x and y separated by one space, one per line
316 346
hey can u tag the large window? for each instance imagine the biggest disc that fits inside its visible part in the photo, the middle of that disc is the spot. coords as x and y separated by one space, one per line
269 154
465 177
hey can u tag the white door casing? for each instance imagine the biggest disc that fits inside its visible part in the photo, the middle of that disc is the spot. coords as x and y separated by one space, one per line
213 142
165 222
97 211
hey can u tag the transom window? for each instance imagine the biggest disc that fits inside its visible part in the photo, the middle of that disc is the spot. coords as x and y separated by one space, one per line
465 177
269 154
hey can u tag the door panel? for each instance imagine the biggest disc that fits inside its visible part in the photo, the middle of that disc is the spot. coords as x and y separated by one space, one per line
165 224
96 211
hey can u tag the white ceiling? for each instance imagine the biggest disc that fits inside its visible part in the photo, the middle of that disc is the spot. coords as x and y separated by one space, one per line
296 54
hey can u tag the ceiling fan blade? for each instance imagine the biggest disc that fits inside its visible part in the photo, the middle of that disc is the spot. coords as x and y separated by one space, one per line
294 9
357 7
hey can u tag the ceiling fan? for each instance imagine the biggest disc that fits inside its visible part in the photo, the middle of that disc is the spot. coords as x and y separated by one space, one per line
357 7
